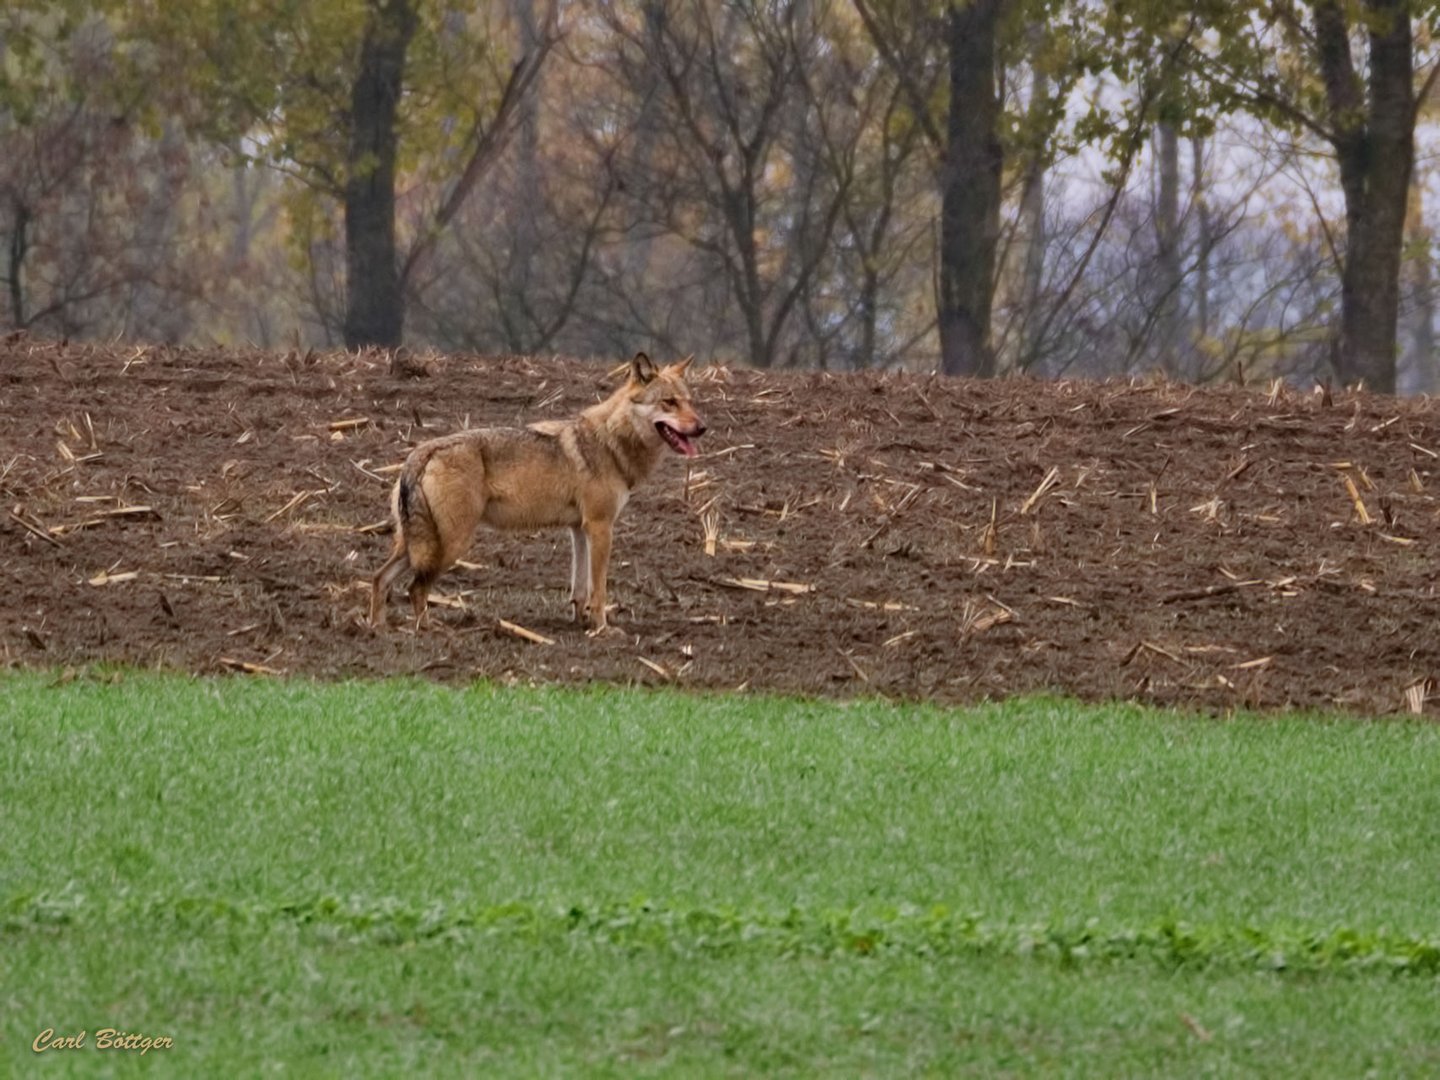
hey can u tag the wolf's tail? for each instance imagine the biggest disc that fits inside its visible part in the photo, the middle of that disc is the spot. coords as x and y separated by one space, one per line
409 495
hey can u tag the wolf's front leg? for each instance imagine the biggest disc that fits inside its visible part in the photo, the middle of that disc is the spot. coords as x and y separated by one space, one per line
579 571
597 535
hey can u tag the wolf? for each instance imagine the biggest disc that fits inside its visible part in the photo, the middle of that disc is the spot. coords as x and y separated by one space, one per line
575 474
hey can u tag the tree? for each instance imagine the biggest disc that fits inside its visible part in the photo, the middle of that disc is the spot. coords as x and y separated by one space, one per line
970 188
948 61
858 130
374 306
1295 66
968 152
724 173
1373 132
98 237
348 98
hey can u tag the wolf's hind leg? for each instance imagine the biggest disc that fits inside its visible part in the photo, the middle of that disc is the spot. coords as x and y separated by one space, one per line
384 578
420 596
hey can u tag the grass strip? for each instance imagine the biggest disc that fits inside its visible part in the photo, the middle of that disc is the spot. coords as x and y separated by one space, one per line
797 931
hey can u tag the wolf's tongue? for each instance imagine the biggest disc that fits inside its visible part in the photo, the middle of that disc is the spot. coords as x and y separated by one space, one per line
679 443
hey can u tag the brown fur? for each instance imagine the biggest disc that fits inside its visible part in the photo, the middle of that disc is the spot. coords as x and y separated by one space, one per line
575 473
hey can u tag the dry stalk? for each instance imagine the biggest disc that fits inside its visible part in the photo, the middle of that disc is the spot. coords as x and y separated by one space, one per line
795 588
298 498
973 620
1208 591
726 451
1051 479
105 515
1210 509
371 473
34 529
1160 650
894 513
138 358
107 578
521 632
1354 493
710 522
991 532
858 669
1415 696
247 667
880 605
1258 662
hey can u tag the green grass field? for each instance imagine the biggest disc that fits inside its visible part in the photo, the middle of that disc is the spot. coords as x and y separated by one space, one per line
399 878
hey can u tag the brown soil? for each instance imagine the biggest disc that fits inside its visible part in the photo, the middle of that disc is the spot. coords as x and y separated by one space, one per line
1194 546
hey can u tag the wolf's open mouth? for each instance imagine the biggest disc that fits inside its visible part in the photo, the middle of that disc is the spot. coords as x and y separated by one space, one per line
681 444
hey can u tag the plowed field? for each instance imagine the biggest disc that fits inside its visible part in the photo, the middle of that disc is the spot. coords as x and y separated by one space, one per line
213 510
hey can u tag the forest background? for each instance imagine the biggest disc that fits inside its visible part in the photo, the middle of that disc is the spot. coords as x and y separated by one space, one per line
1223 190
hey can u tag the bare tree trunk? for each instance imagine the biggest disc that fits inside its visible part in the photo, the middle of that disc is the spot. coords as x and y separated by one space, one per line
640 245
1027 263
1167 246
1421 374
154 313
516 286
15 273
375 302
1032 265
1374 139
970 189
1204 242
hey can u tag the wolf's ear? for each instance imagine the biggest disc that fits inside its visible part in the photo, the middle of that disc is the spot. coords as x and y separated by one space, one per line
642 370
681 366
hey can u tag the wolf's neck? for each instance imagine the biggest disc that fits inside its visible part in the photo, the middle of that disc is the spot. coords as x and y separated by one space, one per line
612 428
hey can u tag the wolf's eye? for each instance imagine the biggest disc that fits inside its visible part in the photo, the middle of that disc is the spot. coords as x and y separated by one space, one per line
670 403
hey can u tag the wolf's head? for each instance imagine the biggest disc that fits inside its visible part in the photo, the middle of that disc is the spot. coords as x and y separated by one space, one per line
660 404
